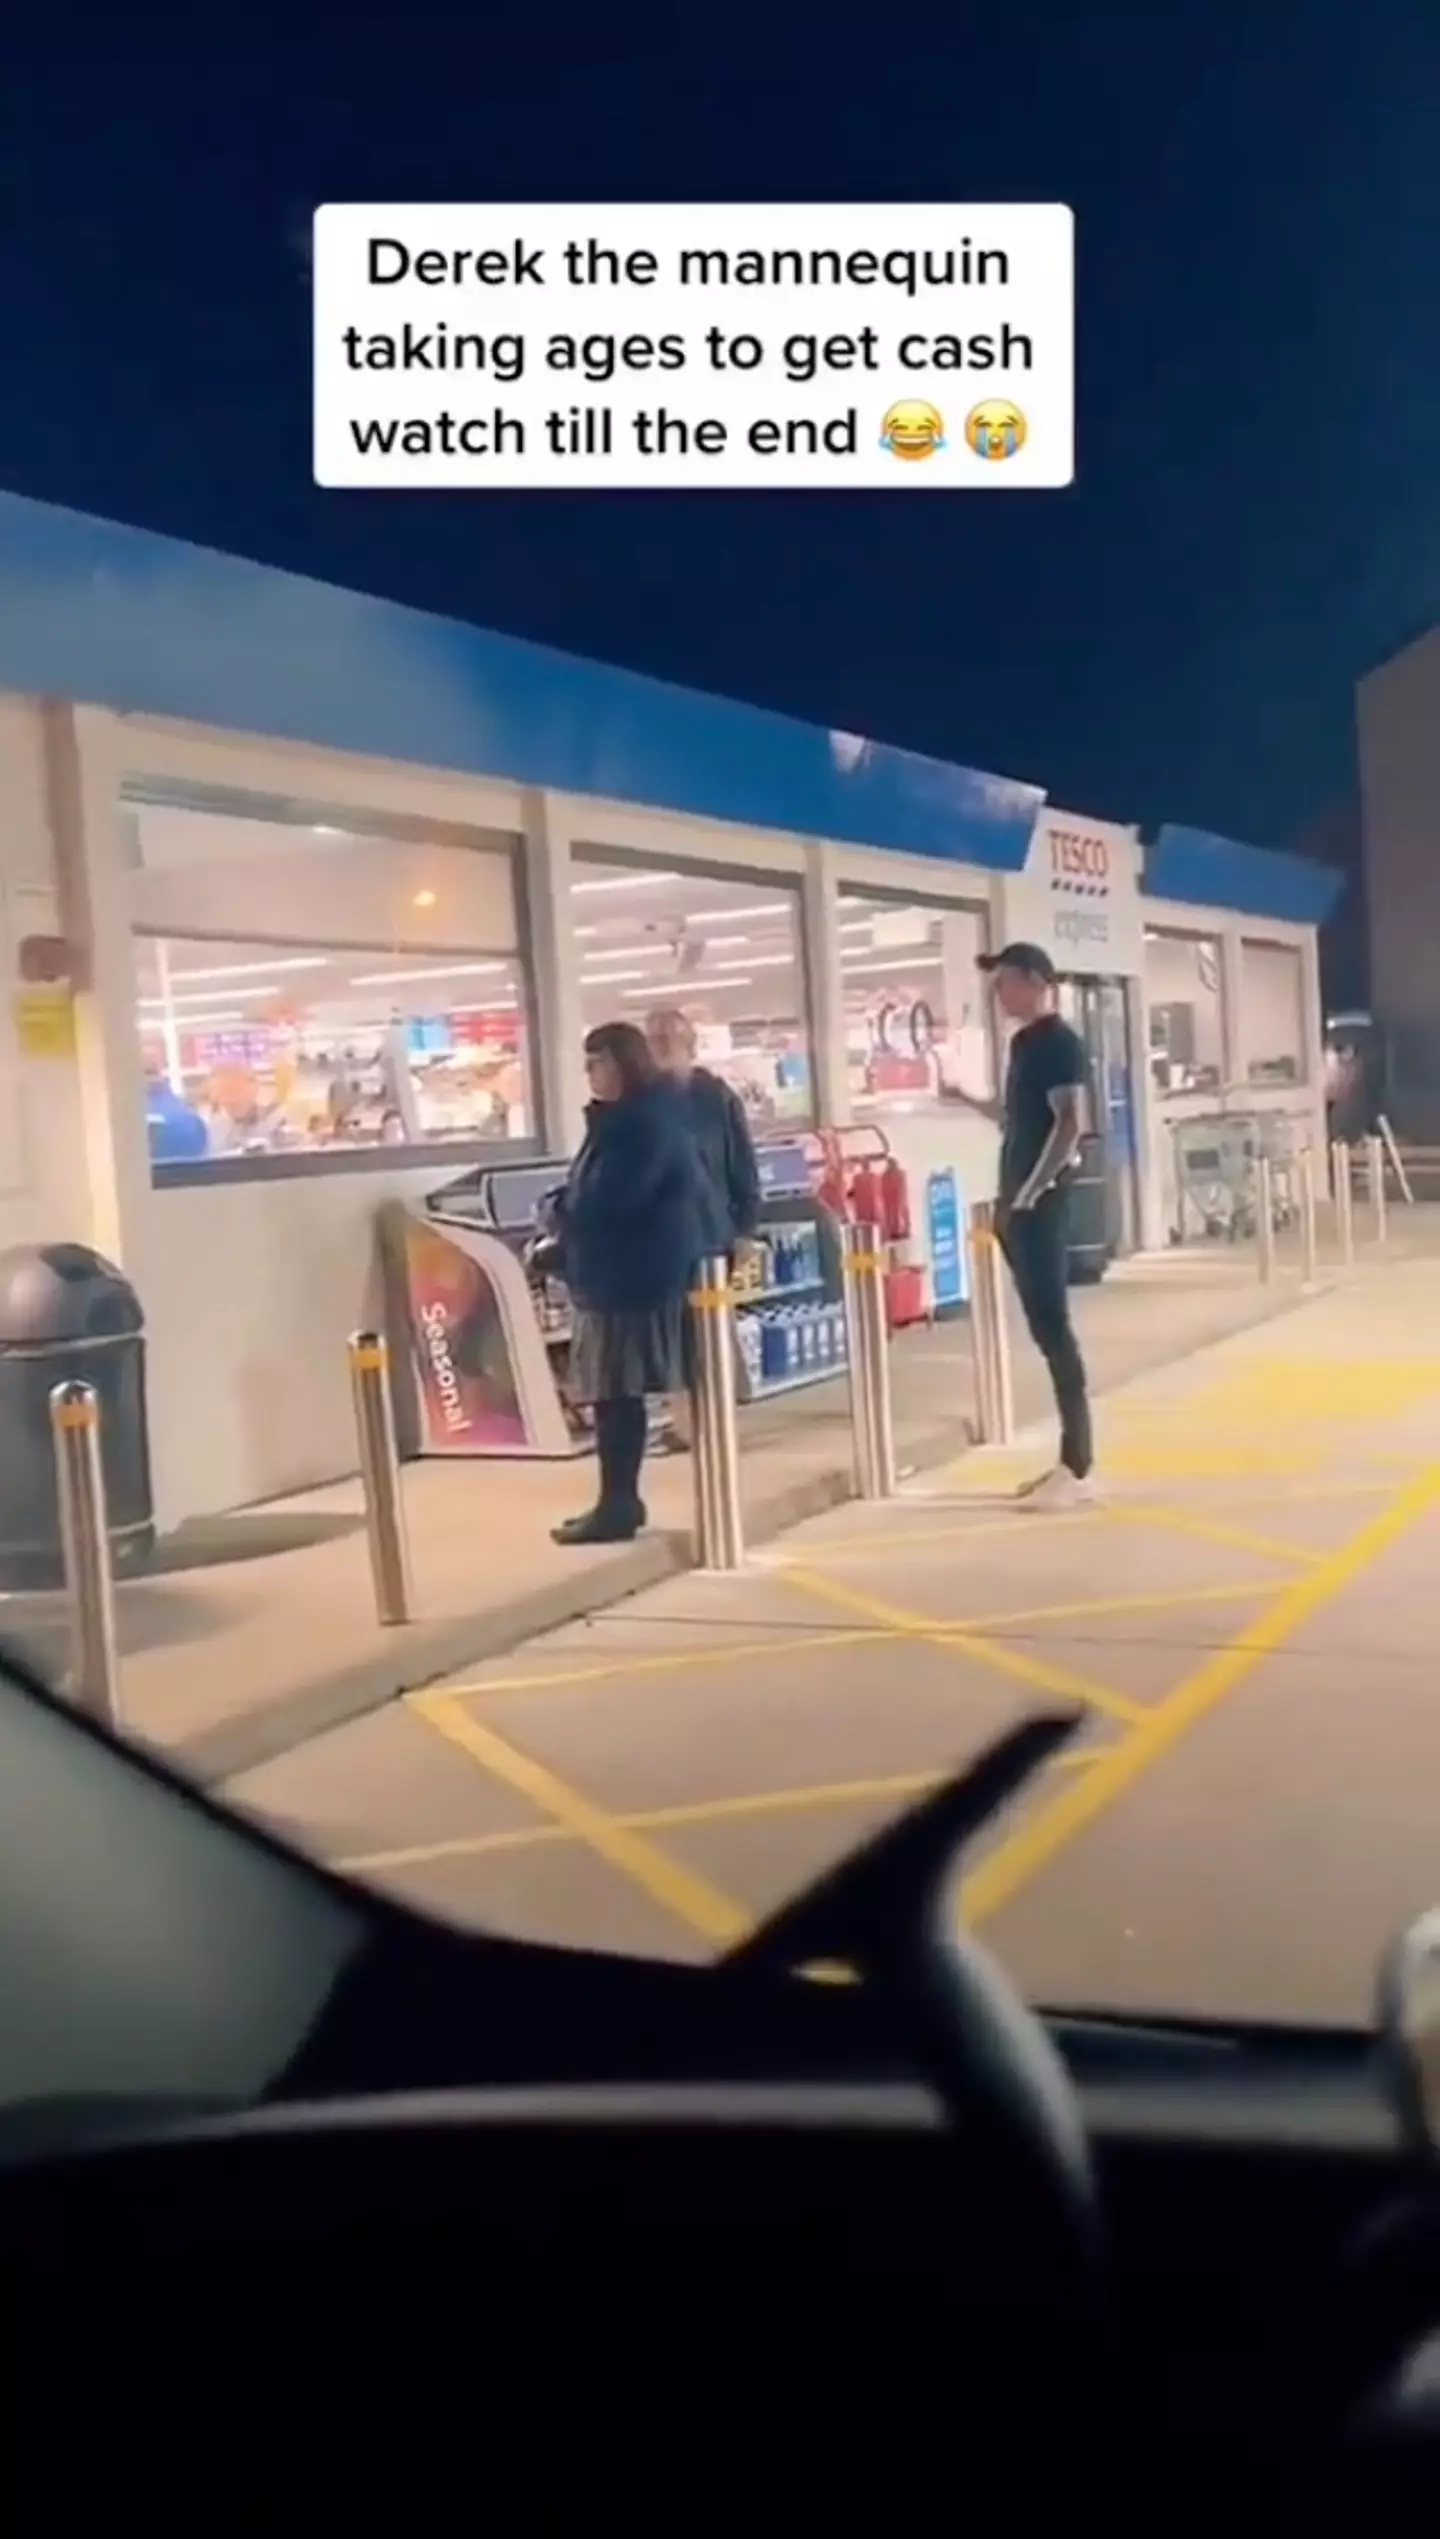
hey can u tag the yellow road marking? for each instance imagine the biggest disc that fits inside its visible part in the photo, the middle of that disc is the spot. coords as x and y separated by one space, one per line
1040 1674
1301 1392
1022 1855
829 1547
1170 1600
1163 1456
659 1820
1139 1463
1299 1496
592 1673
677 1890
1151 1428
1090 1608
1214 1529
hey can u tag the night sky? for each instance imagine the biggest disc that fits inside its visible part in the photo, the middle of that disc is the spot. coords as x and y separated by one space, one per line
1257 515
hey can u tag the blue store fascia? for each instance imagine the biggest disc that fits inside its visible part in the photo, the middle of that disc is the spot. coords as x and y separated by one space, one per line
118 617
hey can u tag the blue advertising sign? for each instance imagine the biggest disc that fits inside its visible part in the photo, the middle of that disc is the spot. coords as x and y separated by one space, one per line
784 1171
944 1217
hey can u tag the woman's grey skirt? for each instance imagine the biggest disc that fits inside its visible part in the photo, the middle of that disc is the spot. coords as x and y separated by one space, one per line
619 1357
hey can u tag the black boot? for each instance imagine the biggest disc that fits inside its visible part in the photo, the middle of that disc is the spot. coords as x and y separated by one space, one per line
620 1447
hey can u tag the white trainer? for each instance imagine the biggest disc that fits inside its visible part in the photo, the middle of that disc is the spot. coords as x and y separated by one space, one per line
1056 1492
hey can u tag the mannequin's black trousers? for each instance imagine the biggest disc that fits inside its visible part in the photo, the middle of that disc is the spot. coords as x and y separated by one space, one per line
1035 1242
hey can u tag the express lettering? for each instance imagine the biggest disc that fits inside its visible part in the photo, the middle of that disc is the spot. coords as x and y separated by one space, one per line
1081 925
435 1323
1076 857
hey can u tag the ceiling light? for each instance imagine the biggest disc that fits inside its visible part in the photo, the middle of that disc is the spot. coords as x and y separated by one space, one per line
432 970
159 1006
625 881
732 916
735 978
898 966
610 978
257 969
195 1022
423 899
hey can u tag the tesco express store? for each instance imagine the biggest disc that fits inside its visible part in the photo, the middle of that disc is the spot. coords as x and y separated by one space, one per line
307 900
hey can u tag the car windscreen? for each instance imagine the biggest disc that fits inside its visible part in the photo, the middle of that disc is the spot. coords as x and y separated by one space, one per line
150 1952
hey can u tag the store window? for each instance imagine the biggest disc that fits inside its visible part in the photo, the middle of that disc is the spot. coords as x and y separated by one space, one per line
1187 1018
1272 1013
254 1049
917 1018
386 1009
726 948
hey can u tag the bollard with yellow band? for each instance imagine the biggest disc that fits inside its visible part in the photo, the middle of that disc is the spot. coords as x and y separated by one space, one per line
982 1247
994 1391
1375 1179
719 1530
1343 1187
380 1475
85 1542
1265 1219
1309 1241
872 1416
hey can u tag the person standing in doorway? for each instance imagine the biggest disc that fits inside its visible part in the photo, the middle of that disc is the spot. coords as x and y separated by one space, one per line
1042 1116
729 1172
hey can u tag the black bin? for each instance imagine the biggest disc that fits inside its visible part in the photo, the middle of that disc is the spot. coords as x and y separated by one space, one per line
1091 1244
68 1315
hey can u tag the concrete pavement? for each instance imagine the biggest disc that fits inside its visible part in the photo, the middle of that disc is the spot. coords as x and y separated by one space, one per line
255 1631
1245 1626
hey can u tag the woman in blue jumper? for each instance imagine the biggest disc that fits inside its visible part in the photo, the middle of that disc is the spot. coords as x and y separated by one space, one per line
632 1230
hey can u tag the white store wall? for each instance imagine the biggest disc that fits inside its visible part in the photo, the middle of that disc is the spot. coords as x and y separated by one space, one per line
43 1180
250 1297
252 1286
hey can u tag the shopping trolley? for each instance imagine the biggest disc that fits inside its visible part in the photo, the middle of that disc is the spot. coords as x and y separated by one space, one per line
1214 1169
1217 1174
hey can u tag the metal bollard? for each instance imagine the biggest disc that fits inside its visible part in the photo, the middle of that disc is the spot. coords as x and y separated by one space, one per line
85 1543
981 1322
1000 1312
719 1529
1375 1160
871 1413
1265 1219
1309 1241
995 1399
380 1473
1344 1189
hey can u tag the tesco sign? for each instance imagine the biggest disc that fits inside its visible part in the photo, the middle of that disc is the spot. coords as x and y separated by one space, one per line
1079 856
1079 896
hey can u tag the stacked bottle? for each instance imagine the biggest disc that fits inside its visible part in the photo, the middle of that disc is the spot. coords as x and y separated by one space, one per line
787 1329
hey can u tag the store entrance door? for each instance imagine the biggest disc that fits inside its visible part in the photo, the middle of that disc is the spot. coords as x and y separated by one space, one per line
1098 1009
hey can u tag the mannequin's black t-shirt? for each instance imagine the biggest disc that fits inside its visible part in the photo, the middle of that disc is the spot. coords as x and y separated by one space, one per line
1044 1057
